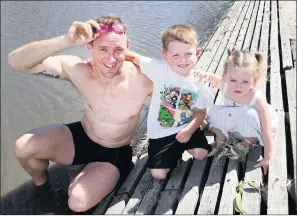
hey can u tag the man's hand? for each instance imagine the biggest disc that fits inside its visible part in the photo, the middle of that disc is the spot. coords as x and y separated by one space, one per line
184 135
81 33
263 163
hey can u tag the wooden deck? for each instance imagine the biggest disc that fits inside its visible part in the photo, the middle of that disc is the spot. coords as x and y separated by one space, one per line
206 187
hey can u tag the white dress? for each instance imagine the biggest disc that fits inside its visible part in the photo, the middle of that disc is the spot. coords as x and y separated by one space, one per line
243 119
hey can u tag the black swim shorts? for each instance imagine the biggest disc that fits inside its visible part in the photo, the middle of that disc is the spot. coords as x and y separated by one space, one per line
165 152
87 151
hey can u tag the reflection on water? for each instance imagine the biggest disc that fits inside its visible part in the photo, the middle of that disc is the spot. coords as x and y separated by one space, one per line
32 101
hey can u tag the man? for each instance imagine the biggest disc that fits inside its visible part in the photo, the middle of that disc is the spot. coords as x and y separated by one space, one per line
114 91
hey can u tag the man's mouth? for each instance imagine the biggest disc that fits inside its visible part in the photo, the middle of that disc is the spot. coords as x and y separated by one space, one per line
183 65
110 65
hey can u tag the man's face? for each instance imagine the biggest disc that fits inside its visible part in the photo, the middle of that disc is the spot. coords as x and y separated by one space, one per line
108 53
181 57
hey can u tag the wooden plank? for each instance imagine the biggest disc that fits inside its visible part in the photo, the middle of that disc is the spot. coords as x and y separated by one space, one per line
250 31
138 194
212 187
191 191
103 205
277 179
134 176
232 40
127 188
251 198
211 49
229 189
169 197
254 44
225 40
150 198
244 27
290 75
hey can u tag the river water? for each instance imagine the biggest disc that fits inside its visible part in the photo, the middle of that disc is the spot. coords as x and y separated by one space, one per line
31 101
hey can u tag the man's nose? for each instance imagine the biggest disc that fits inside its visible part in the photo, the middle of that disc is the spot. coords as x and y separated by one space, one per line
111 57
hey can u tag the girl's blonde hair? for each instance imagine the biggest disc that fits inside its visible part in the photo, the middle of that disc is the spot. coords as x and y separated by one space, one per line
253 62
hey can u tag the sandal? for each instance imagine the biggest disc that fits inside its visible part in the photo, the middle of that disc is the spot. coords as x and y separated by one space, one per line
215 148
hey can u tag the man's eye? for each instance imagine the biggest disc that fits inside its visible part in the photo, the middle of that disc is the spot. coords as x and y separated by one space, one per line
232 80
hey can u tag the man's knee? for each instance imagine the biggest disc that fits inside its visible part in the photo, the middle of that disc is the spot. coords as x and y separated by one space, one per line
25 146
198 153
78 199
159 173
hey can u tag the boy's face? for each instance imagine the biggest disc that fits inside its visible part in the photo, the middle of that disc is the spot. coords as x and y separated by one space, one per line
181 57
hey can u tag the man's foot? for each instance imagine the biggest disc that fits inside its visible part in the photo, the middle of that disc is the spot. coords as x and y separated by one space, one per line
44 200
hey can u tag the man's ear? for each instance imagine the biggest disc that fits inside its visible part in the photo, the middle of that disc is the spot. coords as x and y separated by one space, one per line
198 52
128 44
89 47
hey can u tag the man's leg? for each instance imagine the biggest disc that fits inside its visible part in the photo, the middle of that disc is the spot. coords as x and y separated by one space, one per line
35 148
95 182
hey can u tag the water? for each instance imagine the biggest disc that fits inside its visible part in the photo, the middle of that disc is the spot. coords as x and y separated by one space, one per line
31 101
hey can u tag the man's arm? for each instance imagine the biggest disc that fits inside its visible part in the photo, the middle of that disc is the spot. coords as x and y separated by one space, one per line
37 57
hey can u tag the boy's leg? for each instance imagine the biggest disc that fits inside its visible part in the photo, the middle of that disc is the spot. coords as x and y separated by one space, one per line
198 146
164 153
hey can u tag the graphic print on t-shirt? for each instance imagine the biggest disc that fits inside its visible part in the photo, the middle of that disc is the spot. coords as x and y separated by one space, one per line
176 106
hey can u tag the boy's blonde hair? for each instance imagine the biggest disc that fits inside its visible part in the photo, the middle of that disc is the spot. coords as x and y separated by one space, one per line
253 62
182 33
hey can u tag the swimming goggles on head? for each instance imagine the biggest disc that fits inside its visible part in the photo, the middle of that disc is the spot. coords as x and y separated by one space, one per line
117 28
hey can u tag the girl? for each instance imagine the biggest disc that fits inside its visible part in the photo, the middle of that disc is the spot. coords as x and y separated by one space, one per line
245 118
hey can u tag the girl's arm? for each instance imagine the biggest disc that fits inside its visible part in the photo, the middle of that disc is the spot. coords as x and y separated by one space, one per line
265 120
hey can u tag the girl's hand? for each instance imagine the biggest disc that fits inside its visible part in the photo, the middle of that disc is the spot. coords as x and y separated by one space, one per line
263 163
183 136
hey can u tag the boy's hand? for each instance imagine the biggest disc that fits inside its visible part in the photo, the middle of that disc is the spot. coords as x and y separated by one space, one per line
204 77
263 163
184 135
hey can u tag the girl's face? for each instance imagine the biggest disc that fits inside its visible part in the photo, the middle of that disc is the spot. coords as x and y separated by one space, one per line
239 80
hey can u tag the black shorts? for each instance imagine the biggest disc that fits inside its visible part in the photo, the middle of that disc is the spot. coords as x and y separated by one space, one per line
87 151
165 152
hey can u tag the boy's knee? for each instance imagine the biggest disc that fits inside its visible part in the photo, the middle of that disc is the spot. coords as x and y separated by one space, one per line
198 154
24 146
159 173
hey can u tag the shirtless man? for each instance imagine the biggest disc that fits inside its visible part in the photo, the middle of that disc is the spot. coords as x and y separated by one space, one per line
114 92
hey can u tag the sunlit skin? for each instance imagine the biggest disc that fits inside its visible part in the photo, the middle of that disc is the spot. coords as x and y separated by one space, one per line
240 82
181 57
108 54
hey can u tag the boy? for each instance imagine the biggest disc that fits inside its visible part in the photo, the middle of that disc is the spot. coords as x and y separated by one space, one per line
179 101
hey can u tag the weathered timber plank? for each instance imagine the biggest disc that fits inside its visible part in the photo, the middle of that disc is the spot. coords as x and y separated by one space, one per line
225 40
138 194
254 44
250 31
212 186
211 48
251 198
244 27
150 198
134 176
169 197
127 187
232 40
290 75
229 188
277 202
103 205
190 195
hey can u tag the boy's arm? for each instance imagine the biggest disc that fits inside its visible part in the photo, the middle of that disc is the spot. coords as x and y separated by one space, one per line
199 116
133 57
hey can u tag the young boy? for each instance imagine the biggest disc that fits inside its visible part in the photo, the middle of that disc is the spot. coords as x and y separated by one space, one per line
178 104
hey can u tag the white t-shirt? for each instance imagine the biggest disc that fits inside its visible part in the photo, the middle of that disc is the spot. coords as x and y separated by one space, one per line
173 98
